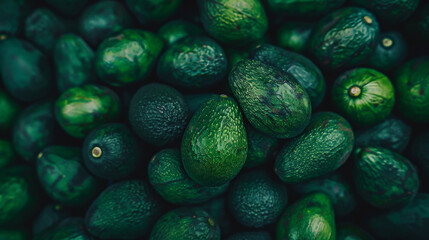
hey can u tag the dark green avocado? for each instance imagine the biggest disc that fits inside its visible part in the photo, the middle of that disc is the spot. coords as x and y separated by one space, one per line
261 148
348 231
158 114
168 177
311 217
411 83
214 145
217 208
390 11
175 30
323 147
127 57
14 234
7 153
150 11
50 215
344 38
364 96
12 15
294 36
256 200
261 235
25 71
9 109
193 63
419 151
68 229
384 178
391 51
68 7
81 109
195 101
303 8
418 27
186 224
124 210
273 101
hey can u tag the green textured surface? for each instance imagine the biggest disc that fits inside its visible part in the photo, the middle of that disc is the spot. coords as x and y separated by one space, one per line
419 151
294 36
9 109
348 231
12 14
68 7
14 234
195 101
68 229
388 55
175 30
303 8
214 145
391 11
49 216
261 148
217 209
323 147
7 153
384 178
149 11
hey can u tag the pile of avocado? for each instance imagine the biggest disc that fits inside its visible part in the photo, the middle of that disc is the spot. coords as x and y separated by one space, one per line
214 119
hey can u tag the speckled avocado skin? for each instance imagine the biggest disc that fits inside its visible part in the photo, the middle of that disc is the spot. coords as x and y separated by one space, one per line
323 147
303 8
68 229
384 178
391 50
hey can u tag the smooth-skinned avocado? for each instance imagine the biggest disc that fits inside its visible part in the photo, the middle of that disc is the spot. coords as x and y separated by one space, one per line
390 52
10 108
214 145
72 228
50 215
152 11
273 101
390 11
261 148
323 147
303 8
175 30
294 36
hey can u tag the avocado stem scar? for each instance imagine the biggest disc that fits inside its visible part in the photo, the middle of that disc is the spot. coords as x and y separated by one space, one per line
39 156
223 96
387 42
211 222
368 19
355 91
96 152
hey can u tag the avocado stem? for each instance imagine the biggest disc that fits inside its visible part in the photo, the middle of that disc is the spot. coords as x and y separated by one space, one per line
387 42
355 91
368 19
96 152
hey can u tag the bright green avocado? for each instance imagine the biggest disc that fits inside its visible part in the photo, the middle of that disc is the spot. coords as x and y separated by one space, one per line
348 231
9 109
214 145
364 96
168 177
384 178
186 224
175 30
7 153
411 83
149 11
68 229
158 114
294 36
419 150
311 217
303 8
344 38
261 235
74 62
195 101
273 101
261 148
391 51
234 22
49 216
81 109
256 200
64 177
14 234
195 62
390 11
68 7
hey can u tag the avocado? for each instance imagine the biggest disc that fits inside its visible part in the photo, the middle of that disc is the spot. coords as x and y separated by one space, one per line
303 8
323 147
384 178
418 26
193 63
392 133
175 30
214 145
150 11
344 38
74 62
348 231
189 223
9 109
34 129
261 148
127 57
81 109
389 11
102 19
411 83
20 195
409 222
7 153
300 67
14 234
390 52
256 200
364 96
217 209
419 150
294 36
64 177
25 70
12 14
68 229
111 151
195 101
234 22
158 114
273 101
124 210
49 216
167 176
68 7
261 235
311 217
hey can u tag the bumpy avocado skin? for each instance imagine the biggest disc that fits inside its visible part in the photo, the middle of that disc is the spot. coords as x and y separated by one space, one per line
344 38
102 19
25 70
294 36
261 148
50 215
311 217
74 62
234 22
411 83
68 7
14 234
7 153
384 178
323 147
390 11
392 133
64 177
150 11
303 8
152 125
419 150
20 193
390 52
34 129
348 231
372 105
409 222
9 108
256 200
117 69
12 14
168 177
195 101
81 109
194 62
214 145
336 187
418 26
261 235
303 69
186 224
273 101
175 30
124 210
217 208
68 229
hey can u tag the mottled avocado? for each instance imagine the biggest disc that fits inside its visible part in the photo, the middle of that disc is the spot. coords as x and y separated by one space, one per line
348 231
261 148
150 11
67 229
195 101
175 30
391 51
419 150
303 8
389 11
68 7
294 36
7 153
261 235
9 109
50 215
